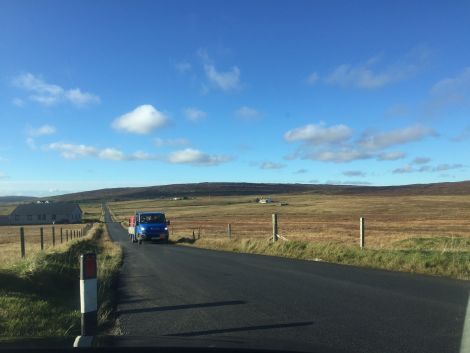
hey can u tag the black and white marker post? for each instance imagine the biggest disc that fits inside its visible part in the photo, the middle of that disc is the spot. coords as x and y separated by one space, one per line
88 293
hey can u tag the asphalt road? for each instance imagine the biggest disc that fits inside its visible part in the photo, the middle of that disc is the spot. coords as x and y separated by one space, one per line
176 291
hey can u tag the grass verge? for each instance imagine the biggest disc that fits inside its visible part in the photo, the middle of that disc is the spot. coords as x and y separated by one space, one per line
447 262
39 296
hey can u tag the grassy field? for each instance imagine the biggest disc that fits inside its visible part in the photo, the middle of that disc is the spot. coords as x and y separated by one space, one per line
333 219
425 234
10 235
39 296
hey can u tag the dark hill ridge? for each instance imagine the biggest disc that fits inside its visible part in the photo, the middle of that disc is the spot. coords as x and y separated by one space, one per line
262 189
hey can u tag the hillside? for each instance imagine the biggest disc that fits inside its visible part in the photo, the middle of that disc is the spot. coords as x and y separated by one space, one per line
226 189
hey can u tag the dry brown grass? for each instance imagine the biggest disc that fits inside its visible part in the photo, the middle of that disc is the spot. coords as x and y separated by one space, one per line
10 240
319 218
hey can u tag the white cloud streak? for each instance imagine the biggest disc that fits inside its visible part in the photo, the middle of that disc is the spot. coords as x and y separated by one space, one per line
159 142
51 94
247 113
271 165
317 134
194 114
195 157
376 141
142 120
225 80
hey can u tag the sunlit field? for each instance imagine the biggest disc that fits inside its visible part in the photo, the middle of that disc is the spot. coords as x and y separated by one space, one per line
390 221
10 250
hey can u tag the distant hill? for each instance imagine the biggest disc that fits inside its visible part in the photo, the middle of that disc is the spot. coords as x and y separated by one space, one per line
13 199
262 189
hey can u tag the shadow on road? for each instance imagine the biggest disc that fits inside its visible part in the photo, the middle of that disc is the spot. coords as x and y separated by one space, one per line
239 329
181 307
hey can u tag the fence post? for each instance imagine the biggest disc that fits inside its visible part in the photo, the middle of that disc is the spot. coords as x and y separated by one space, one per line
362 231
66 235
61 236
275 227
53 236
41 232
194 236
22 241
88 294
229 230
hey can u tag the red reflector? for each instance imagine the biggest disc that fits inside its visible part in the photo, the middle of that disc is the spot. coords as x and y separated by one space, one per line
89 266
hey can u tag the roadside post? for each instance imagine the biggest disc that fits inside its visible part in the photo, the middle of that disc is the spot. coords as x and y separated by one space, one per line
88 294
229 230
41 233
275 227
362 231
61 236
53 236
22 241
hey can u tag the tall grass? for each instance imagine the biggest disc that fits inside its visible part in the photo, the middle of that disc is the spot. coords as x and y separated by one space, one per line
39 296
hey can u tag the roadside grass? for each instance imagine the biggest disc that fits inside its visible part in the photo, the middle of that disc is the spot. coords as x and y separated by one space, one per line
444 261
39 296
10 240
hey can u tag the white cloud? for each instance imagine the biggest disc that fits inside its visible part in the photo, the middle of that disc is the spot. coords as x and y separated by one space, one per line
196 157
194 114
226 81
77 97
142 120
76 151
338 156
391 156
464 135
421 160
159 142
354 173
31 143
317 134
443 167
312 78
247 113
375 141
72 151
271 165
183 66
111 154
50 94
458 85
366 75
42 130
405 169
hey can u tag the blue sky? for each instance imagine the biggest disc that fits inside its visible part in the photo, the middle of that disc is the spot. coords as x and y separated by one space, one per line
97 94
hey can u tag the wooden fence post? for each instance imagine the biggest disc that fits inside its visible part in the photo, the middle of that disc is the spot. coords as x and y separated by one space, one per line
22 241
67 235
229 230
61 236
275 227
53 236
362 231
41 233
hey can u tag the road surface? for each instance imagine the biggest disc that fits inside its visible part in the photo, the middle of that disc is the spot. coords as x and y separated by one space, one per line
177 291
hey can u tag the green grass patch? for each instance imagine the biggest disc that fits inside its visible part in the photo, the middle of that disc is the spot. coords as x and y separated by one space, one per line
455 264
39 296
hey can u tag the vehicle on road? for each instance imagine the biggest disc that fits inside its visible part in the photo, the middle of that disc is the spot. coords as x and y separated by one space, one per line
148 226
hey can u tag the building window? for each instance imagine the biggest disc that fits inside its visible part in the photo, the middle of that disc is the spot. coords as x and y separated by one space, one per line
30 217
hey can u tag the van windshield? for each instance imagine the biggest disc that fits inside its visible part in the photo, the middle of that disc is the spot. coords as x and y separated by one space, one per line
152 218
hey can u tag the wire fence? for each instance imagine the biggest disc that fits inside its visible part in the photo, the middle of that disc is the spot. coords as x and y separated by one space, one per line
21 241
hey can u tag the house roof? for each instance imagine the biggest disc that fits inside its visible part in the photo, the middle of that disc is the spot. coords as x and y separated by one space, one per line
46 208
